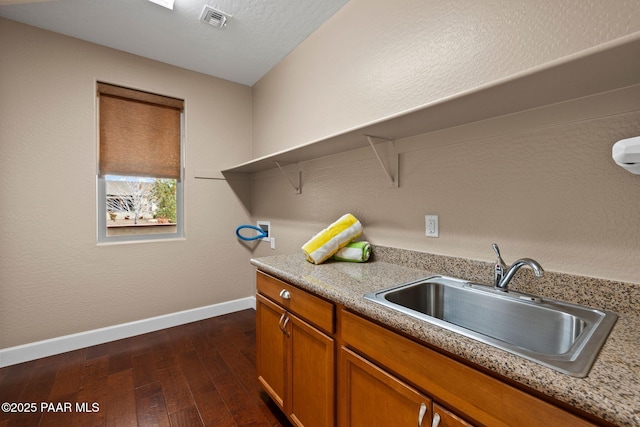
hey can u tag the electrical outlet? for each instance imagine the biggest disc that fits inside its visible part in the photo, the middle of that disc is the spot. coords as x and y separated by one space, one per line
266 227
431 225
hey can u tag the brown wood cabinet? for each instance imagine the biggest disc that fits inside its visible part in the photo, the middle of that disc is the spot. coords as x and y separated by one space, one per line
295 359
371 397
383 379
271 349
475 396
444 418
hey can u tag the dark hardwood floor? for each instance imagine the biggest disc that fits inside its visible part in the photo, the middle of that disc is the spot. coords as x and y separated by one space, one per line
199 374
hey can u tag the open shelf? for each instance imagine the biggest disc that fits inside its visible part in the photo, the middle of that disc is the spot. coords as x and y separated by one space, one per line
604 68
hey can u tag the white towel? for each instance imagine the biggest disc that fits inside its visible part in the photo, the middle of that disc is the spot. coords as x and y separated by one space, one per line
354 252
327 242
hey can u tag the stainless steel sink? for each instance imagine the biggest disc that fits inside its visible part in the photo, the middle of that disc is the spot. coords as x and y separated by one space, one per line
562 336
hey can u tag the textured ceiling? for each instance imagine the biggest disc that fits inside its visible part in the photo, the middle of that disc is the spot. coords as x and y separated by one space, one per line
258 36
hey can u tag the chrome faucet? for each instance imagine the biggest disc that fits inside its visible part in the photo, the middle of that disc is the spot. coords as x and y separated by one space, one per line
503 275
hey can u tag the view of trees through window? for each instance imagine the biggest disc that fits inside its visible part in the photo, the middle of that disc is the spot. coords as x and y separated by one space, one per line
140 201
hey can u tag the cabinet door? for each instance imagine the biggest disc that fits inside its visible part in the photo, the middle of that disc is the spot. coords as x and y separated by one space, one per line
444 418
370 397
312 375
271 354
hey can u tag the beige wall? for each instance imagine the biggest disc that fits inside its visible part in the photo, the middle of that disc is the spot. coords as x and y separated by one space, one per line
376 58
372 59
54 278
541 183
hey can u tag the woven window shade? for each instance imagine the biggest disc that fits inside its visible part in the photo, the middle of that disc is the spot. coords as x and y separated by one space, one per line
139 133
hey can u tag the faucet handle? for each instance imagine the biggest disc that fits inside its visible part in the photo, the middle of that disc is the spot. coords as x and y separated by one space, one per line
499 267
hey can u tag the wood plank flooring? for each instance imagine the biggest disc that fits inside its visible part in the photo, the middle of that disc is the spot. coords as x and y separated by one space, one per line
199 374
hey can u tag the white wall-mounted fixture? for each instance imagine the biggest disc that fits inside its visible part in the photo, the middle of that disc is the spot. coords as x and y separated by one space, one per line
266 227
164 3
214 17
431 225
626 154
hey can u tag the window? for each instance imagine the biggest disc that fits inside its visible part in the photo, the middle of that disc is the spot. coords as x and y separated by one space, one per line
140 169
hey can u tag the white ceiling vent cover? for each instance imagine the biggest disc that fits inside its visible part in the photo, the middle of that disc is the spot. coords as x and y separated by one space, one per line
214 17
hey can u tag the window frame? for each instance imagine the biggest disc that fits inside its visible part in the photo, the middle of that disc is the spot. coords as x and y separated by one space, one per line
101 191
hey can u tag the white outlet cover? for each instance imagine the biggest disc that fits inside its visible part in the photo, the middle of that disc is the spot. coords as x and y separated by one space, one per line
431 225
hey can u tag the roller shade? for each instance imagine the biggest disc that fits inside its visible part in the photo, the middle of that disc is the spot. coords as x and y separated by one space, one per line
139 133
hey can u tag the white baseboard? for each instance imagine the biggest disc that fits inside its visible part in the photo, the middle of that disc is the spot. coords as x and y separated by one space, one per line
36 350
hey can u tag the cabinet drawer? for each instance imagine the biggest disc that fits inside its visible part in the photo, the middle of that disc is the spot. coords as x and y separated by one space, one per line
310 307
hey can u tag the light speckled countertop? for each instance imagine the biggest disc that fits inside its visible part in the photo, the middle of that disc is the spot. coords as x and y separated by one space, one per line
611 390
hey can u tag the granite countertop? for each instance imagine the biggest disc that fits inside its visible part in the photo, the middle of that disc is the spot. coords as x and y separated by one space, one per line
611 390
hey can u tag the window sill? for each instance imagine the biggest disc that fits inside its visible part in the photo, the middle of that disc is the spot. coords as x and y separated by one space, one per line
136 241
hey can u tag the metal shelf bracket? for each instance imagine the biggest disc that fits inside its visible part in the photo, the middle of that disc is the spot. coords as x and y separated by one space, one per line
297 187
391 171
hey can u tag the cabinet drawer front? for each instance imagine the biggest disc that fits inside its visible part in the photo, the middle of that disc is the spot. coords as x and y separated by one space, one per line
310 307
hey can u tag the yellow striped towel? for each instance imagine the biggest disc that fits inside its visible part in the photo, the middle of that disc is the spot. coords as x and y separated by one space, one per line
327 242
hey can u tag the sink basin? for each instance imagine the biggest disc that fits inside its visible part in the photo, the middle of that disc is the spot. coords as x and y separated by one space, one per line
562 336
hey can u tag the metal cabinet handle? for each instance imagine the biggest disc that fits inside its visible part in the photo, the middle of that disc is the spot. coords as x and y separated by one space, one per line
436 420
421 414
285 294
282 323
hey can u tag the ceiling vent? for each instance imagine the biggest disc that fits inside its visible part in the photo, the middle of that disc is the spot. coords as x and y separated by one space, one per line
214 17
